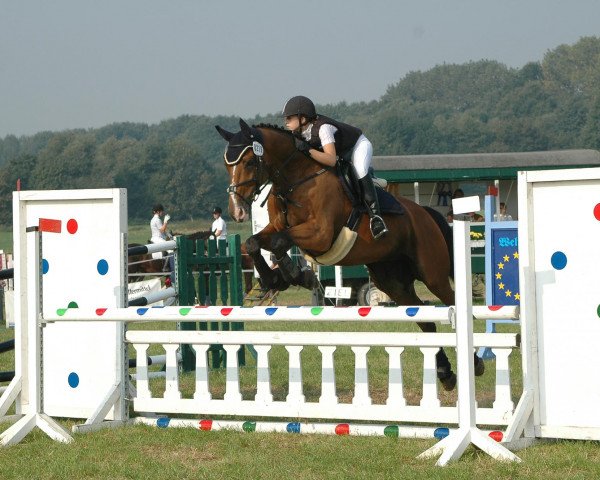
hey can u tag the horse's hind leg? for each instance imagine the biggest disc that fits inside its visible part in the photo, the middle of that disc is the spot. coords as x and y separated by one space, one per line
397 280
438 283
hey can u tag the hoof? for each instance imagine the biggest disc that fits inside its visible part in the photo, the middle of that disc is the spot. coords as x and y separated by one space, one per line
449 383
277 282
309 280
479 366
447 378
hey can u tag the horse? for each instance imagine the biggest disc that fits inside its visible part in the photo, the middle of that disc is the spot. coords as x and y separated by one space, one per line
309 207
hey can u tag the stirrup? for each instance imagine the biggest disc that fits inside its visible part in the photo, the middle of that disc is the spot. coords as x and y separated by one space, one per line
380 234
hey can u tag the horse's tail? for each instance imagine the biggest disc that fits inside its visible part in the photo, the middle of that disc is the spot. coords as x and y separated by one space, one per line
441 222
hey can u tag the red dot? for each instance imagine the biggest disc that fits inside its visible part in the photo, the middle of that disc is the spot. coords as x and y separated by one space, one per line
342 429
597 212
72 226
206 425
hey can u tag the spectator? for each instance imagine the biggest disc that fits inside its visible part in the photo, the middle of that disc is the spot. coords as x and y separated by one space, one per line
450 216
219 227
502 216
158 234
158 227
458 193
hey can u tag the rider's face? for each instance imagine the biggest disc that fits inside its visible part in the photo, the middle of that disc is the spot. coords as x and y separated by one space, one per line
292 122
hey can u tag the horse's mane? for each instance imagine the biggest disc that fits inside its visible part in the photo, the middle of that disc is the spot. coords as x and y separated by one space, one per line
270 126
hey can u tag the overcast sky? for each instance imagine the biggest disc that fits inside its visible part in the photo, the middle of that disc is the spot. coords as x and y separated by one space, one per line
83 63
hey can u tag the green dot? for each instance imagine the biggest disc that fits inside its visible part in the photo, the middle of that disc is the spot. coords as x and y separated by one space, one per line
391 431
61 311
184 311
316 310
73 304
249 426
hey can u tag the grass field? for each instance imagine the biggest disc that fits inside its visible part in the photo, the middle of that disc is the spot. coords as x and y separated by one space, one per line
146 452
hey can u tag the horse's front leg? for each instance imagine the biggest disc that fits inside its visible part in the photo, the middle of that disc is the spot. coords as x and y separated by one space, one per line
270 278
281 242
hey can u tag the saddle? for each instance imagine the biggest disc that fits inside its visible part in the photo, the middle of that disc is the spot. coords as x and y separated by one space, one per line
347 176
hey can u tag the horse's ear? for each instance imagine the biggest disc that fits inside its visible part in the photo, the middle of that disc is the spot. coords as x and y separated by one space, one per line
224 133
246 130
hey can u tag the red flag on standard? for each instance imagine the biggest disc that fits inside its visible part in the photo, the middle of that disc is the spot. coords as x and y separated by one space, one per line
49 225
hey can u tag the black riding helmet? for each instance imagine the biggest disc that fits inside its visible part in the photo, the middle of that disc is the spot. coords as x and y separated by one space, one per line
299 105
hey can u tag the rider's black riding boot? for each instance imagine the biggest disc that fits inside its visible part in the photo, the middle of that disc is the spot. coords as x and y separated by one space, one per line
378 228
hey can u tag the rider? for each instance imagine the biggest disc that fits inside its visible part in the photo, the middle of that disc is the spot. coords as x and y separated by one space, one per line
325 139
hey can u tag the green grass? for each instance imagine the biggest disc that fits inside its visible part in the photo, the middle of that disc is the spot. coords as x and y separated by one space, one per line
147 452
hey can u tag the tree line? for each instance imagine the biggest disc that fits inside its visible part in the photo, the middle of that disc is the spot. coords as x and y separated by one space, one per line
481 106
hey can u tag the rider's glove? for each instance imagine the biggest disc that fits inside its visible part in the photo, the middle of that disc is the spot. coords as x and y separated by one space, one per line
167 217
303 146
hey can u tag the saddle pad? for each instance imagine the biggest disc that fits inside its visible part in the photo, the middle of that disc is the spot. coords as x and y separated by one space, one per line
388 203
340 248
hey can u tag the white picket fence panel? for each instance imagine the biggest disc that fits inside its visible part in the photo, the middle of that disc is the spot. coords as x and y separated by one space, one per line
295 405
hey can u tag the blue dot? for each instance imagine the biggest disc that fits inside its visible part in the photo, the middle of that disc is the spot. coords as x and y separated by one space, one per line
163 422
558 260
45 266
293 427
102 267
73 380
441 432
412 311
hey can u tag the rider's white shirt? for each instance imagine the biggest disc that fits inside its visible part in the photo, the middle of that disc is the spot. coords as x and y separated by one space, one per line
326 133
361 153
155 225
219 224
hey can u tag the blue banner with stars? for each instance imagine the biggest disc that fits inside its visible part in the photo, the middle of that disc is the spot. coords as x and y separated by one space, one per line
505 263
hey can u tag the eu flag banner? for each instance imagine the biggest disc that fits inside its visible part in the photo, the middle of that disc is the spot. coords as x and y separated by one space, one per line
505 265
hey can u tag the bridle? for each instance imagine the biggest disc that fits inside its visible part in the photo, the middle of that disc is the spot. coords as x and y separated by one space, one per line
259 166
273 174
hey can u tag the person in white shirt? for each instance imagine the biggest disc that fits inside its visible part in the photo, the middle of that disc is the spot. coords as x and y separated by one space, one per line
219 227
158 234
158 227
503 216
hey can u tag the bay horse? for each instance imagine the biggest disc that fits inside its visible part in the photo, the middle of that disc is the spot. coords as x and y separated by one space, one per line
308 207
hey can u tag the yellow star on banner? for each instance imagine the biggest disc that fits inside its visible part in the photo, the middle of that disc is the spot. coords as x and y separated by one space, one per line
516 255
508 293
501 286
517 296
506 258
498 275
500 266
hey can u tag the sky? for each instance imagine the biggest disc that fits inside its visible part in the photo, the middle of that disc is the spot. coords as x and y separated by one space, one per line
84 64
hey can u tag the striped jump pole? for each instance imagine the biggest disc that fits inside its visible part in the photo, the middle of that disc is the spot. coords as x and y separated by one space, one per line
442 315
152 248
354 429
153 297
